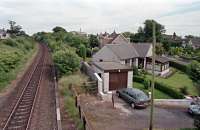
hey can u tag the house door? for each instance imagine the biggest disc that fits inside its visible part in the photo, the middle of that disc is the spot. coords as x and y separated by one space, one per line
117 80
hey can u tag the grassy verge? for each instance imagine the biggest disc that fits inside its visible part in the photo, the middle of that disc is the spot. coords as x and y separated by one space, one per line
178 80
77 80
11 75
157 94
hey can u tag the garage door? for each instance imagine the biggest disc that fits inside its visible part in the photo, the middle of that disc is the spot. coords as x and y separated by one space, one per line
117 80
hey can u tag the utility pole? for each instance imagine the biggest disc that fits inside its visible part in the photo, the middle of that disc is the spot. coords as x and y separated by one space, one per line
153 78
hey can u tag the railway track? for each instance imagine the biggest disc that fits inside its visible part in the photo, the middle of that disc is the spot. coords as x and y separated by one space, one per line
20 116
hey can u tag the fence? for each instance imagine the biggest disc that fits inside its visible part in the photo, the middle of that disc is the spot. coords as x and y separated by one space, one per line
86 123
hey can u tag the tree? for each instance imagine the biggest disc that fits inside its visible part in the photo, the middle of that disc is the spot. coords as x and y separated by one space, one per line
159 49
148 30
127 34
58 29
144 34
93 41
82 51
195 71
66 61
15 29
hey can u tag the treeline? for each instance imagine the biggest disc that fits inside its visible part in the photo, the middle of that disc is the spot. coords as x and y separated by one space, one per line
13 53
67 48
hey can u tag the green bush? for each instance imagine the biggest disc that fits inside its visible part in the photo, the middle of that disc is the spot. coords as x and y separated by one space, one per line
184 90
146 83
13 53
195 71
168 90
160 86
181 67
138 79
66 61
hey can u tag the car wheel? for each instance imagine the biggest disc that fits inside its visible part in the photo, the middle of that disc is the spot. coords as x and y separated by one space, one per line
132 105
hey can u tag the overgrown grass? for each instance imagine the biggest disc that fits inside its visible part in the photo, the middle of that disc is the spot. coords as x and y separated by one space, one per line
178 80
157 94
76 80
12 73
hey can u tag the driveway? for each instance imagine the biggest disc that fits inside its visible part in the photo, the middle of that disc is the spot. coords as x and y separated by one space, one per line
164 117
103 116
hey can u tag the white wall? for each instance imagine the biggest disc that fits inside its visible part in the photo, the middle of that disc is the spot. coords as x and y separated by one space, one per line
150 52
105 77
130 79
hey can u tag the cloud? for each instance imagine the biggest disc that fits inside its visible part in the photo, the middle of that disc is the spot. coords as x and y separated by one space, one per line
94 16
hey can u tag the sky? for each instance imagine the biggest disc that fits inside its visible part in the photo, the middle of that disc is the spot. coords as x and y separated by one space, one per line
95 16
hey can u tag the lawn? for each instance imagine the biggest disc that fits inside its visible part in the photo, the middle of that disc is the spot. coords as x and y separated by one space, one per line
157 94
177 81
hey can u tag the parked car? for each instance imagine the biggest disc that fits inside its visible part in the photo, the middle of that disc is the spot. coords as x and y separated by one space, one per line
194 109
135 97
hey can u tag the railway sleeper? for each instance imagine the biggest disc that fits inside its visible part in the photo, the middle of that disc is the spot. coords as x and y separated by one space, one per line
26 102
18 122
21 113
21 127
25 106
20 117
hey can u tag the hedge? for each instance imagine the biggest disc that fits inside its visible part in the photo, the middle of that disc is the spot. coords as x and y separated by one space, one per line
168 90
179 66
162 87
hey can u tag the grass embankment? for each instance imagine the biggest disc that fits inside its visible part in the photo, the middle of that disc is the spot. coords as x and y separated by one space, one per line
14 54
157 94
76 80
178 80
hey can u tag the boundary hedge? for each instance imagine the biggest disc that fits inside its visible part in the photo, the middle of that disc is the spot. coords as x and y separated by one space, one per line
162 87
181 67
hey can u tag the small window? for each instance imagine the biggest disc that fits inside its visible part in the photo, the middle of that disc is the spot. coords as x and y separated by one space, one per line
101 60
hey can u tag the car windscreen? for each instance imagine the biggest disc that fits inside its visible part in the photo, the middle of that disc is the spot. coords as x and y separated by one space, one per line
141 97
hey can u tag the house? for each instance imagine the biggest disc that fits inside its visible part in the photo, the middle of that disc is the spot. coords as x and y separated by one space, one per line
112 38
80 33
4 34
113 64
112 76
193 42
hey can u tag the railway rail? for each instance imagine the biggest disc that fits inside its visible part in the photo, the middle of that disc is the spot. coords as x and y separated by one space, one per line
20 116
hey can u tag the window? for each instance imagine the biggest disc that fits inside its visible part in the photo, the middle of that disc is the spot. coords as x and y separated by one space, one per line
101 60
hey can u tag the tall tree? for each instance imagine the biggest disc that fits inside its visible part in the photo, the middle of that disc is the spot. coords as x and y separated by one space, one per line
93 41
15 29
159 49
148 27
58 29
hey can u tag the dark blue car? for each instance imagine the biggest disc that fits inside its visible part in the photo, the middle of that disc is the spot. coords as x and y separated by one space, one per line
135 97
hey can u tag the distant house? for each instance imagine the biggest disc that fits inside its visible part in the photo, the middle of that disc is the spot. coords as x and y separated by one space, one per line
80 33
173 39
112 38
113 64
193 42
4 34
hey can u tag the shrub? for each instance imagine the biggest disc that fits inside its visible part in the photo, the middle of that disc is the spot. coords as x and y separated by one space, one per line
195 70
66 61
184 90
82 51
138 79
168 90
160 86
135 71
181 67
146 83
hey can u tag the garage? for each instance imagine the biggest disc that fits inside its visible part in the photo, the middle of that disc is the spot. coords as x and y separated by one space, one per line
117 80
112 76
